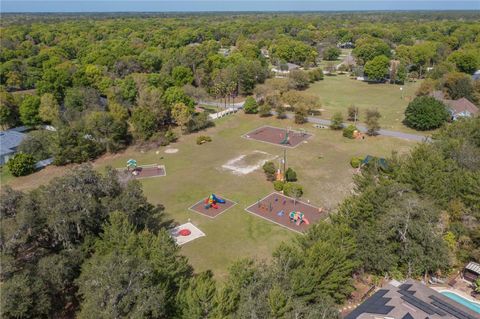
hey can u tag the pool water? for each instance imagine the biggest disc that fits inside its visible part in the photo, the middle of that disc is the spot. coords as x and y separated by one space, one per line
475 306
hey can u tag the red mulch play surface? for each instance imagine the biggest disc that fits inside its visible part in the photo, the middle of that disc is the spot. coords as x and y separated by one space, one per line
285 204
143 172
211 212
275 135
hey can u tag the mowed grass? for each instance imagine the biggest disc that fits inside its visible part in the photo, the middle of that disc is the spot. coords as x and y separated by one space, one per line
339 92
194 172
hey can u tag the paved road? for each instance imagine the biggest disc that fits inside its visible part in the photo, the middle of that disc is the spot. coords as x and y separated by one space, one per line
361 128
316 120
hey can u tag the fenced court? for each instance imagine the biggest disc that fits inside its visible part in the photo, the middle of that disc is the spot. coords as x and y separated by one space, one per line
142 171
279 136
278 209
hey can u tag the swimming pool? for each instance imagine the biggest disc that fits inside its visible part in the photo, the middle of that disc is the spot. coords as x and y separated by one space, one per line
475 306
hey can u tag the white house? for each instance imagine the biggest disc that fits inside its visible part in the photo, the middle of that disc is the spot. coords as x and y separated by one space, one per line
9 141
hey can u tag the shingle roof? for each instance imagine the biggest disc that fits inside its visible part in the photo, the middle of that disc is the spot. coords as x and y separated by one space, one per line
462 105
9 141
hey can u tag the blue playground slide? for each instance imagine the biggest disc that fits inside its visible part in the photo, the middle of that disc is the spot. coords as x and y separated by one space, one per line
218 200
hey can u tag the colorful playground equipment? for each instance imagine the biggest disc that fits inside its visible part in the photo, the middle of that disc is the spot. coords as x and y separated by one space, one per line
131 164
298 218
286 139
212 201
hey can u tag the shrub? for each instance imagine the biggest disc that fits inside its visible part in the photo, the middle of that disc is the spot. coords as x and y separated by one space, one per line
355 162
315 75
373 126
293 190
278 185
331 53
270 170
198 122
300 116
21 164
349 130
171 136
203 139
290 175
265 110
425 113
250 106
337 121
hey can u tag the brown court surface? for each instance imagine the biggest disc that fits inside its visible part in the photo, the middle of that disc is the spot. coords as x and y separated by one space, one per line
275 135
278 202
153 170
211 212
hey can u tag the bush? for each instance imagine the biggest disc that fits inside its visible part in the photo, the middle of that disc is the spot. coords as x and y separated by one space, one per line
349 130
21 164
265 110
290 175
331 53
203 139
250 106
270 170
198 122
171 136
293 190
426 113
315 75
337 121
278 185
355 162
300 116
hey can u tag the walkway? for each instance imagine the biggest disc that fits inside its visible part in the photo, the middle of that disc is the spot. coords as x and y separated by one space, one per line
316 120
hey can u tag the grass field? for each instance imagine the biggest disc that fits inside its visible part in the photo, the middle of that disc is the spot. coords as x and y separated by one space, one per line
195 171
339 92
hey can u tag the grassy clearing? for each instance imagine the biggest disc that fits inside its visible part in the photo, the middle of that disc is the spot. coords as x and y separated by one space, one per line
339 92
322 166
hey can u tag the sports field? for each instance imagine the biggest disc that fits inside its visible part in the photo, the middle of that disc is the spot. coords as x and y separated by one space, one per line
339 92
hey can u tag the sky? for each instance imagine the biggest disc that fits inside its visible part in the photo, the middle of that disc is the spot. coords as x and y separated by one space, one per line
229 5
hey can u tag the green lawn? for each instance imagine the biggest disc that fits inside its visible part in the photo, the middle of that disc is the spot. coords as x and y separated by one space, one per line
339 92
194 172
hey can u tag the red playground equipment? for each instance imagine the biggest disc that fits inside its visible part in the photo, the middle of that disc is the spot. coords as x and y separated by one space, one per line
298 218
184 232
212 201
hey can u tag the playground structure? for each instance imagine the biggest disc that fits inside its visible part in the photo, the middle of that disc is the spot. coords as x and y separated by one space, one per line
185 233
287 212
286 139
219 204
298 218
212 201
279 136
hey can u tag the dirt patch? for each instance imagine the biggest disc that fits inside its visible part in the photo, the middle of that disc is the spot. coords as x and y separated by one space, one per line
171 150
278 136
246 164
276 208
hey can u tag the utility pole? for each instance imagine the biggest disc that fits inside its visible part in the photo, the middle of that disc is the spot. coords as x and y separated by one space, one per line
284 164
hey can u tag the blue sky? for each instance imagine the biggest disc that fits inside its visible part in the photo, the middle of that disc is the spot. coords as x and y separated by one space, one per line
229 5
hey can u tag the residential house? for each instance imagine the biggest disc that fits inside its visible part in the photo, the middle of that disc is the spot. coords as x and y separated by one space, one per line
471 271
411 300
9 141
285 69
476 75
458 108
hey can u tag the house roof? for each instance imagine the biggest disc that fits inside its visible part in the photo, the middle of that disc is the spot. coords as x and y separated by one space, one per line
473 267
9 141
462 105
410 300
457 106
